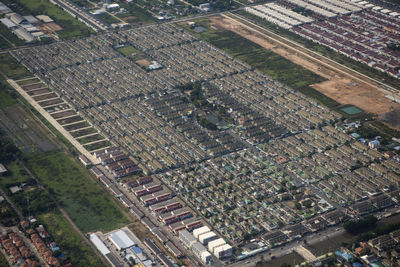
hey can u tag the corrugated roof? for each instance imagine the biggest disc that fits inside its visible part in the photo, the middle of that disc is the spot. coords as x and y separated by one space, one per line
8 23
99 244
121 239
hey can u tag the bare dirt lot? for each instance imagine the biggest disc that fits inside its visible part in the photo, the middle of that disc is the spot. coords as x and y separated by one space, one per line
143 62
342 87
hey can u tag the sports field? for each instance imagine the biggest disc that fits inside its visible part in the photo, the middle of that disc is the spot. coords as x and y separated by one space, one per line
351 110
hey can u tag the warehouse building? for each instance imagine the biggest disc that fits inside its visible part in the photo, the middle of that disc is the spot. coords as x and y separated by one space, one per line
24 35
8 23
121 240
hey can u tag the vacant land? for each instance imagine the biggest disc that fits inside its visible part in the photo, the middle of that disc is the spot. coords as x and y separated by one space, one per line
36 202
11 68
88 206
339 86
71 27
129 51
257 56
25 131
107 18
6 98
324 50
71 243
135 14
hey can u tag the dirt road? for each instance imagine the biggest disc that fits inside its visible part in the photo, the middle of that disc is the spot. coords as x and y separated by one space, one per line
342 85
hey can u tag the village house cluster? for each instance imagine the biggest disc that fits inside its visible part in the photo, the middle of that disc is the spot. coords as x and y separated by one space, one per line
279 170
358 29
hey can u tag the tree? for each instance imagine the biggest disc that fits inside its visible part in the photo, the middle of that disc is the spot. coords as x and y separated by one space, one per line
362 225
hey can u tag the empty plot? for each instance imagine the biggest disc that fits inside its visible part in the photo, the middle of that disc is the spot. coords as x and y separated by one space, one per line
55 108
77 126
63 114
33 86
24 130
38 92
90 139
28 81
50 102
83 132
45 96
98 145
70 120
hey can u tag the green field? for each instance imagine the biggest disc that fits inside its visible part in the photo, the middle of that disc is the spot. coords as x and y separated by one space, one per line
274 65
71 26
3 261
135 14
107 18
87 204
11 67
6 97
253 54
129 51
80 253
91 138
324 50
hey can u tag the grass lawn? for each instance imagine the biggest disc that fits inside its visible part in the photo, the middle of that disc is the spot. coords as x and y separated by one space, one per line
84 200
3 260
79 252
15 175
11 67
135 14
129 51
270 63
71 26
107 18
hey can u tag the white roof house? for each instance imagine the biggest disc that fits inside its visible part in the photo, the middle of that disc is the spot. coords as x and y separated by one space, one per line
201 230
121 240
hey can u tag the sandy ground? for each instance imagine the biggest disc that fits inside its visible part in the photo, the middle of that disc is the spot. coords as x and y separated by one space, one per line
339 86
143 62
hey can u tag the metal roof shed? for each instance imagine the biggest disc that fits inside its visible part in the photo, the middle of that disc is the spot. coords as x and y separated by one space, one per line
8 23
99 244
121 240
